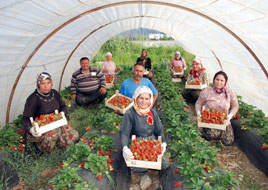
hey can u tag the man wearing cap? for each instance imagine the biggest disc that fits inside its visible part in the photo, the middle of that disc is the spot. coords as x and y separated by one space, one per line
88 84
177 64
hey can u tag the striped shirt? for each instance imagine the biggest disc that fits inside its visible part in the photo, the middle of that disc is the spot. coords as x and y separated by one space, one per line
87 83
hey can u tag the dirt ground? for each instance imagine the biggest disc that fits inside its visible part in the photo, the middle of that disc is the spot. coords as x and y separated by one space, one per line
136 178
47 173
249 176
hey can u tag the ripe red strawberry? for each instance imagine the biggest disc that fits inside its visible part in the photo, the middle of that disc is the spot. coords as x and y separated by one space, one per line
177 184
177 171
206 169
264 147
99 177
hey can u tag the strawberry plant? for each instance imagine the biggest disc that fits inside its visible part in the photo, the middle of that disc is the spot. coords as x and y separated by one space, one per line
77 152
10 139
99 166
104 143
66 179
251 117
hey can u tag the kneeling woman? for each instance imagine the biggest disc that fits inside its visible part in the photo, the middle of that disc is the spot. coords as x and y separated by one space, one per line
142 121
220 98
197 73
45 100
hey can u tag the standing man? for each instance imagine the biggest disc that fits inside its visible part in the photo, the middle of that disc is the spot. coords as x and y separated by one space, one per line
129 86
88 84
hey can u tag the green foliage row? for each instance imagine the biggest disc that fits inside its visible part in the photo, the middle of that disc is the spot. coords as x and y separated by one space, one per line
252 117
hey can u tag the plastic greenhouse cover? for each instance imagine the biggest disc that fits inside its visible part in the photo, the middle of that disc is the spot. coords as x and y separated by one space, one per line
41 35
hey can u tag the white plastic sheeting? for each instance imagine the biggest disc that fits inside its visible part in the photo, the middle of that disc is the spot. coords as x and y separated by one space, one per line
26 33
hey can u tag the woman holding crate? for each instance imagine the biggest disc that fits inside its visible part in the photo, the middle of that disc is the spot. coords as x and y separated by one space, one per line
197 75
177 64
143 122
108 67
45 100
220 98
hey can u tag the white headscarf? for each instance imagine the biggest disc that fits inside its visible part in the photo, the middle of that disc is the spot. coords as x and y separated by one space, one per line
142 90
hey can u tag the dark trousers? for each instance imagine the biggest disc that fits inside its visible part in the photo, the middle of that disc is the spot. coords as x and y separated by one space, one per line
85 99
191 95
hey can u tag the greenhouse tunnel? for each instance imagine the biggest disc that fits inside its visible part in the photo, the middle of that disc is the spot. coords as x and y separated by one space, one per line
52 36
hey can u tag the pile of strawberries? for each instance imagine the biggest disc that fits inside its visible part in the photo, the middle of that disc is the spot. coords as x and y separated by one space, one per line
120 101
213 116
195 82
145 150
47 118
177 69
109 78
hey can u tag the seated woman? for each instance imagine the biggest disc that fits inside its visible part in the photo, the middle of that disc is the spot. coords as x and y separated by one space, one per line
109 67
197 73
142 121
220 98
177 64
146 61
45 100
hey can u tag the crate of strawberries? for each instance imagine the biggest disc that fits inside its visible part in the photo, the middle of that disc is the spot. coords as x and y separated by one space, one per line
109 81
147 153
119 102
177 71
195 84
48 122
213 119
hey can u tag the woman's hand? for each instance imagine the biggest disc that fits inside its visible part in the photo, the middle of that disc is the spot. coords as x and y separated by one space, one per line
35 133
127 154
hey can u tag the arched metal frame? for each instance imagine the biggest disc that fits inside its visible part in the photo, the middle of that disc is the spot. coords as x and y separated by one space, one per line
118 4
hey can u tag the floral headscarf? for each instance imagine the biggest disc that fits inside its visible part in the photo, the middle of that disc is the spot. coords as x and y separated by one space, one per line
144 112
195 73
40 77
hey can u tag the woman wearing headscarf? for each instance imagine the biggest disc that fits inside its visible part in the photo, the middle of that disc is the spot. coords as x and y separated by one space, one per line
220 98
177 63
45 100
143 121
109 67
146 61
196 73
